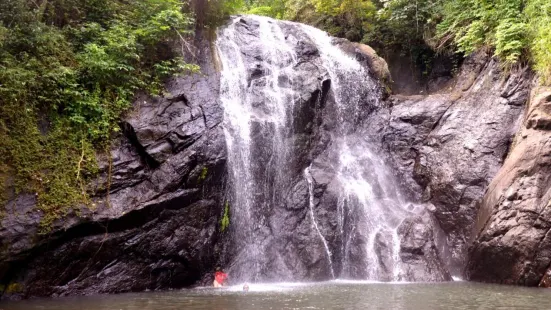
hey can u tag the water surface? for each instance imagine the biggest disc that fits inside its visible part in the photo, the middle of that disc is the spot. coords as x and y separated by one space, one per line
331 295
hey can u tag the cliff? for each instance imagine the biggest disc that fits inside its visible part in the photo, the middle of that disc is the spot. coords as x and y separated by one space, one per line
512 243
171 199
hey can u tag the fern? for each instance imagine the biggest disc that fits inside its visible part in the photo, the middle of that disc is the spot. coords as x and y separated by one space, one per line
538 14
510 39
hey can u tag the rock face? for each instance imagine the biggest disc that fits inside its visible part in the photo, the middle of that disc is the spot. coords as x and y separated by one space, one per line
513 241
419 251
297 100
449 146
274 87
302 211
159 223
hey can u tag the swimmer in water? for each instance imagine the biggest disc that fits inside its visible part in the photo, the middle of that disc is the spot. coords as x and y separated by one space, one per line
219 278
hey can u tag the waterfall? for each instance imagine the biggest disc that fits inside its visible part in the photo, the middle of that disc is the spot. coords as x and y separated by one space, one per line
254 191
369 189
310 180
260 89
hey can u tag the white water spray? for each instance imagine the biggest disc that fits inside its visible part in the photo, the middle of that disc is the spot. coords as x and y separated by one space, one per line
254 190
258 134
310 180
366 182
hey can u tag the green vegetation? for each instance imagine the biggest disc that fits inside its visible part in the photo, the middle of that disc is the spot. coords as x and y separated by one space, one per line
498 24
210 14
517 31
69 70
272 8
225 221
538 15
12 288
203 175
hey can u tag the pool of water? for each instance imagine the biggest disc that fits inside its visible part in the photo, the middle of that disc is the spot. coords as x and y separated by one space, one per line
329 295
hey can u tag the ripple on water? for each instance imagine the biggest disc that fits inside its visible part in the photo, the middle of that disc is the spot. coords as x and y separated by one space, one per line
339 294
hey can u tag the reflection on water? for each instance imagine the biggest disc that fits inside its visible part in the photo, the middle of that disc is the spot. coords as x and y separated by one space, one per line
331 295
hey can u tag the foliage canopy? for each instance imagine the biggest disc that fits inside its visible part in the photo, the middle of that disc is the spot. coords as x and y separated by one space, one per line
516 30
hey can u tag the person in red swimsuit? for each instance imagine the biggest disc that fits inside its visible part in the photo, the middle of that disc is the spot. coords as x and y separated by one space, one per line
219 277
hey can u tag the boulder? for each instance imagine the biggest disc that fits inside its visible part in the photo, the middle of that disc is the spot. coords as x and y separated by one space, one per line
419 251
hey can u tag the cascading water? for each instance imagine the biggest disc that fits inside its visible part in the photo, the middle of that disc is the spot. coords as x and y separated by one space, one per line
254 190
258 93
311 203
369 193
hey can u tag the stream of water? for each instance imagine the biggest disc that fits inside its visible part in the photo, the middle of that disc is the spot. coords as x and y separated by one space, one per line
257 96
256 134
310 181
330 295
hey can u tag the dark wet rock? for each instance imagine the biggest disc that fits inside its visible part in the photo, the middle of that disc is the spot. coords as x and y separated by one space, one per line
172 249
411 76
513 241
448 147
290 249
445 148
383 249
419 252
299 245
19 227
154 225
